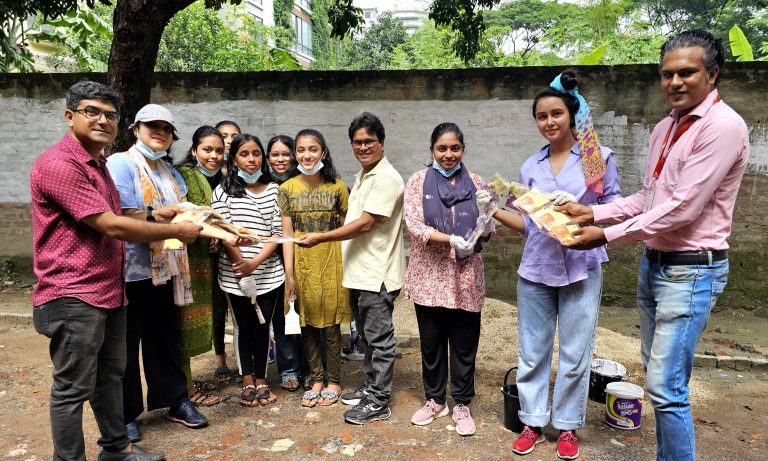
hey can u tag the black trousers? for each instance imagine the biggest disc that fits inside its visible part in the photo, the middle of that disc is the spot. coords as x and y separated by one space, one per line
220 307
154 322
253 337
439 330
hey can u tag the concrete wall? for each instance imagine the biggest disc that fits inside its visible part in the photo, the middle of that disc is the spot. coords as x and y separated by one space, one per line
493 107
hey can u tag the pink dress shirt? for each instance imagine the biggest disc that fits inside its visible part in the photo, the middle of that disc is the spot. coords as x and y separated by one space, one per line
71 258
696 191
433 276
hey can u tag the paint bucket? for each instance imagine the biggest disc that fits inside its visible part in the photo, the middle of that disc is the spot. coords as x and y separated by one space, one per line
604 372
511 404
623 405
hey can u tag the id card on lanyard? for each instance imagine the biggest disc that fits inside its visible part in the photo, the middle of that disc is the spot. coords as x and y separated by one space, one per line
664 152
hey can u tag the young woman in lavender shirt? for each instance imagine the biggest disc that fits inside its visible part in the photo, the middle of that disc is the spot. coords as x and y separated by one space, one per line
559 287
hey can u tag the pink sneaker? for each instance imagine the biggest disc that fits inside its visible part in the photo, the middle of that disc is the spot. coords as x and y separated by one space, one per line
465 425
429 412
527 441
567 445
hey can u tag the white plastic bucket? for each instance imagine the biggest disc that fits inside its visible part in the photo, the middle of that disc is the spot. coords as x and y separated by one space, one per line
623 405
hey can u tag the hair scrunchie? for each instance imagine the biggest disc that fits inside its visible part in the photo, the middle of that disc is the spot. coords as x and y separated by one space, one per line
592 160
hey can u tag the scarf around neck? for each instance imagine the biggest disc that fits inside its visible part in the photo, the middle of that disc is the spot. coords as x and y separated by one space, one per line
166 264
450 208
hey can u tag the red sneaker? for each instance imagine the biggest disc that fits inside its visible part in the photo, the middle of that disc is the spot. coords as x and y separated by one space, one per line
567 445
527 441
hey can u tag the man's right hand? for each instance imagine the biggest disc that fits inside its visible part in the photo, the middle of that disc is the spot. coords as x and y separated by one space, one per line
580 214
166 213
187 231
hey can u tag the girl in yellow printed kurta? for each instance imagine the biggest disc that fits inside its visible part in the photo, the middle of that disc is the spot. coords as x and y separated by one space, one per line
316 201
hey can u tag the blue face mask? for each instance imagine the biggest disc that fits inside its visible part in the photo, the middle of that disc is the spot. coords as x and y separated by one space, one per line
206 172
249 178
149 153
443 171
278 176
313 171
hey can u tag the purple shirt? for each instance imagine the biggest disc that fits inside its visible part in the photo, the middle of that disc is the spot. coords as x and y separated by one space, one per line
696 192
71 258
545 260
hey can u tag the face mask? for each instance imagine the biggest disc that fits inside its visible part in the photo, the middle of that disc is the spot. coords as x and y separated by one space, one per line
249 178
443 171
276 175
206 171
311 172
147 152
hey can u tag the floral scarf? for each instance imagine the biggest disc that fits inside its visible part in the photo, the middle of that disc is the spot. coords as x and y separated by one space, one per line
166 264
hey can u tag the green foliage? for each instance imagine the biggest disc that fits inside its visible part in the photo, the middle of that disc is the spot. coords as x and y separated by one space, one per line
740 46
328 51
430 47
284 34
465 19
198 40
72 34
344 18
525 22
593 57
15 57
372 50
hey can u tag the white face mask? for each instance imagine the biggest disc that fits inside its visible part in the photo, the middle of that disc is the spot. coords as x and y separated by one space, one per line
249 178
149 153
313 171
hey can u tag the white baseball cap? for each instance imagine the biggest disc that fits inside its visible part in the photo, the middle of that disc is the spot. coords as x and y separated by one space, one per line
154 112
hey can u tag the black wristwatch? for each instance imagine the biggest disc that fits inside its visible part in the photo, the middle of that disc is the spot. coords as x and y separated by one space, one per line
150 217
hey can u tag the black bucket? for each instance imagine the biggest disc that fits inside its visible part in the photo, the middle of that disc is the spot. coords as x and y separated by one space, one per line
602 373
511 405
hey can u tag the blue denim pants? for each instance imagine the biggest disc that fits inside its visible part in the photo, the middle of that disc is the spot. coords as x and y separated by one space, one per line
674 304
573 310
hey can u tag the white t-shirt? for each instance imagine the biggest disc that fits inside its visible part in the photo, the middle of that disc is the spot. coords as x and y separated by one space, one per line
378 256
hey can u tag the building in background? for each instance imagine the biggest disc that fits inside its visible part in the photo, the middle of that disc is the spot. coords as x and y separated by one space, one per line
410 12
263 11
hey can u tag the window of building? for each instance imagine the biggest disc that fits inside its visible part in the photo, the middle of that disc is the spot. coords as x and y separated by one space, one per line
256 9
305 4
303 30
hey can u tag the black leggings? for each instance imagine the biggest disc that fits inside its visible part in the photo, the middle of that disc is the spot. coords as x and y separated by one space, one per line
253 338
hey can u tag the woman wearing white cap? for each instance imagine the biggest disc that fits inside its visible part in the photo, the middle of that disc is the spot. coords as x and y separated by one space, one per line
157 281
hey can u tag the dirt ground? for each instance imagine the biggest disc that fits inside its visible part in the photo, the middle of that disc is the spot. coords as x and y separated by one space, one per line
730 408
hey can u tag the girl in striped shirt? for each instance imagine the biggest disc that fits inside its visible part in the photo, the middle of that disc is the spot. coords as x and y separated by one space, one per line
248 198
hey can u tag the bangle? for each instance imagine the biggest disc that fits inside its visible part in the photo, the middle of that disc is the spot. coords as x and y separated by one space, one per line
150 216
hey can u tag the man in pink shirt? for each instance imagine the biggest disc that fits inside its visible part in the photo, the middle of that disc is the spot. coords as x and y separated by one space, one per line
683 214
78 259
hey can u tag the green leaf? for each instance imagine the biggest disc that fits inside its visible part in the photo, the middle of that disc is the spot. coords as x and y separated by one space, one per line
740 45
594 57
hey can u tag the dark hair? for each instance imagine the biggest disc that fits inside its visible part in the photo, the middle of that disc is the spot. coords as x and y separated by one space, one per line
233 184
570 80
370 122
713 48
288 141
443 128
197 137
91 90
228 122
328 170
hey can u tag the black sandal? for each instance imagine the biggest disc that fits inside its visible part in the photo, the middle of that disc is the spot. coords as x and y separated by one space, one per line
252 398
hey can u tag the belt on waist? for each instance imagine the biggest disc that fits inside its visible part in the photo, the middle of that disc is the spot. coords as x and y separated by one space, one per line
685 258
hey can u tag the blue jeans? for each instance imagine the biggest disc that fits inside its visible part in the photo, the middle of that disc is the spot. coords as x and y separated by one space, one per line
674 304
88 354
573 309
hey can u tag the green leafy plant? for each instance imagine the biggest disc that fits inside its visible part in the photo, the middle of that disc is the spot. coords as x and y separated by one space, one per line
72 34
740 46
593 57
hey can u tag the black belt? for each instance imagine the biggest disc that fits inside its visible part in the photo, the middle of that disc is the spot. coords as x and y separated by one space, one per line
685 258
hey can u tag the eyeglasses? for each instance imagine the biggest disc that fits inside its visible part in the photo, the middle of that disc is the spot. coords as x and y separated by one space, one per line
277 155
162 126
453 148
93 113
368 143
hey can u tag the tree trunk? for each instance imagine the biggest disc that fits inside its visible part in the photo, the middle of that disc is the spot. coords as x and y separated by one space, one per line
138 26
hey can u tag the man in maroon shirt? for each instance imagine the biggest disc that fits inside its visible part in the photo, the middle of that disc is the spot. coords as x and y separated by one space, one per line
78 251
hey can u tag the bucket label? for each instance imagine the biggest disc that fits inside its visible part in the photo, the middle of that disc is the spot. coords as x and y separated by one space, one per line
623 413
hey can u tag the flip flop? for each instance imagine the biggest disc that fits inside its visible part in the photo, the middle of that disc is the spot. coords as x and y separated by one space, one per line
251 398
290 383
264 395
223 374
204 399
329 394
311 397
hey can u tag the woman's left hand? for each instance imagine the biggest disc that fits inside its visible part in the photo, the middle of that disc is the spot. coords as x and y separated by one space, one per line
243 268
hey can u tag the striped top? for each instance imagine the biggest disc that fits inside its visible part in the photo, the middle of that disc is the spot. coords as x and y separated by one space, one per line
260 214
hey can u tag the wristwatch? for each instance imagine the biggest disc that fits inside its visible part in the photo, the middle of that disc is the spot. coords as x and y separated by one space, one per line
150 217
